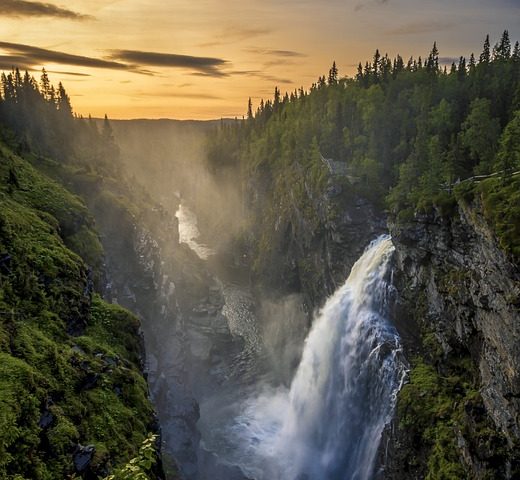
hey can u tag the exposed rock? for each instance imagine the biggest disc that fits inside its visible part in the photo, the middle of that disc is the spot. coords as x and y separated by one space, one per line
457 284
46 420
82 457
90 381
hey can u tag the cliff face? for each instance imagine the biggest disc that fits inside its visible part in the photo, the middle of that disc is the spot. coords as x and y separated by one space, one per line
309 243
458 314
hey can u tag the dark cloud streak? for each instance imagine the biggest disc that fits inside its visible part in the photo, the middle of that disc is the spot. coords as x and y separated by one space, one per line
203 96
35 55
236 34
74 74
204 66
262 76
24 8
276 53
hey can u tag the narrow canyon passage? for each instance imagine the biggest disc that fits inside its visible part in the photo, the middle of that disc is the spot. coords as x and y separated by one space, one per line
326 421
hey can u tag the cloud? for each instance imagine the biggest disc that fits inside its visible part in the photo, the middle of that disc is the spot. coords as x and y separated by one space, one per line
261 75
175 94
25 8
362 5
203 66
421 26
275 53
28 56
236 34
8 62
74 74
243 33
12 61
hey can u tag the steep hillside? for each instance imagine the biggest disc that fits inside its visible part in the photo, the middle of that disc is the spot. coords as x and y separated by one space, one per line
72 397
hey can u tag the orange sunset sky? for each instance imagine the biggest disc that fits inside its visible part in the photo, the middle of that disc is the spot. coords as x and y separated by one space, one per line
203 59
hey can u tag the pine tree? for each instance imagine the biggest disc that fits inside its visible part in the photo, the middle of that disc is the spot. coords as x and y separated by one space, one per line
276 95
502 50
17 81
376 65
432 63
63 101
249 109
398 66
52 96
367 74
516 52
45 85
333 74
453 69
359 74
485 56
462 68
472 63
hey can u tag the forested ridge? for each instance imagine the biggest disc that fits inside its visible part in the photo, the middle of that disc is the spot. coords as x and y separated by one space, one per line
404 132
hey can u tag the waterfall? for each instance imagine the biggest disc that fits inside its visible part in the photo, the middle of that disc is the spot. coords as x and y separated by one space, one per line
328 425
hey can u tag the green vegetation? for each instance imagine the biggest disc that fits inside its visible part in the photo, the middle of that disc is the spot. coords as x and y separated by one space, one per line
405 133
437 410
501 208
138 467
427 407
73 399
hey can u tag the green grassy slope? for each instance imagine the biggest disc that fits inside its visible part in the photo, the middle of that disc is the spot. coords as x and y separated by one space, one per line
70 369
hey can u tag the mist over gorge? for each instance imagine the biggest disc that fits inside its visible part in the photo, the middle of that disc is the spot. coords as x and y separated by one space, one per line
326 288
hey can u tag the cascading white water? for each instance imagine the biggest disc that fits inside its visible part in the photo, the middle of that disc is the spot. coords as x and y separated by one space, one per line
328 425
189 232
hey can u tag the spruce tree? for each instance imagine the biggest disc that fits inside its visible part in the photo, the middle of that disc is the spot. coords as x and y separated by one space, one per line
432 64
376 65
485 56
359 74
516 52
333 74
502 50
45 85
63 101
472 63
249 109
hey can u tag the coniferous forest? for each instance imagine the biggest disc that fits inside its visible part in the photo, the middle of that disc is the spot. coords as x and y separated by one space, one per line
407 131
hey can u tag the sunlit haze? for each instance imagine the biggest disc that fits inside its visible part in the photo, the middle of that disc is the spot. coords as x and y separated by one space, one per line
203 59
